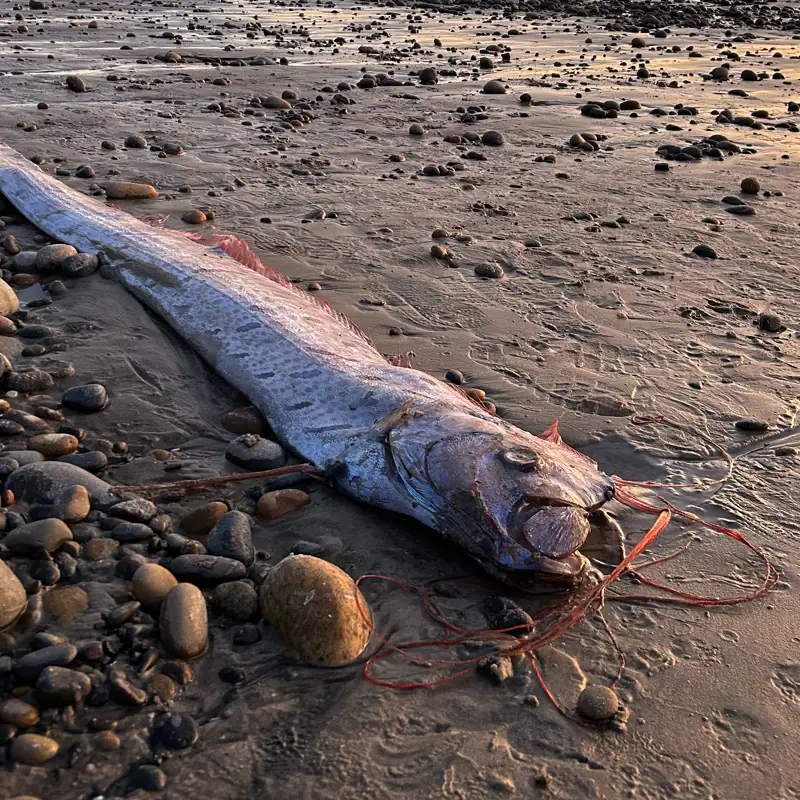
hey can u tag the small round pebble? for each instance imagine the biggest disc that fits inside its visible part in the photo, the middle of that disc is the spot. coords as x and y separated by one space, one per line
598 703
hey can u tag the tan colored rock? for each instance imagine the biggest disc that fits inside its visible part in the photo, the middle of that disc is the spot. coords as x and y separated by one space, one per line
9 303
127 190
282 501
49 534
98 549
312 603
184 621
200 521
32 749
18 713
152 583
244 420
12 596
53 445
72 504
65 602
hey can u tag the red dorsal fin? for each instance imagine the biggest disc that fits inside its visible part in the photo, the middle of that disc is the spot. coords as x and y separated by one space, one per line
240 251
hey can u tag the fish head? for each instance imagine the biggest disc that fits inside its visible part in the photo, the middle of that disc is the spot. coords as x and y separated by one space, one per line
518 502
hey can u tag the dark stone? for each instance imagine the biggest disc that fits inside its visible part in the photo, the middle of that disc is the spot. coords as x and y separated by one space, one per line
58 687
246 634
232 675
41 483
149 777
253 453
232 538
131 532
91 397
93 461
178 732
31 665
207 570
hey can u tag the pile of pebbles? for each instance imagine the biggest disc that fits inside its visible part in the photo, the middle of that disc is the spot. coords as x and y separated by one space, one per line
715 146
107 597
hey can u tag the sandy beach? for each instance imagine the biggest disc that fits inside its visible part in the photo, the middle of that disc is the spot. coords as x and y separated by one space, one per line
295 125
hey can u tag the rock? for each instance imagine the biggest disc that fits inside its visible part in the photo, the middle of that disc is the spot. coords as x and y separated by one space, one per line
100 549
54 445
18 713
124 691
598 703
58 687
31 665
254 453
9 302
93 461
28 421
497 669
136 142
312 603
494 87
493 139
179 545
272 505
108 741
704 251
720 73
80 265
244 420
184 621
750 186
232 538
13 598
149 777
749 75
136 510
206 570
75 84
178 732
32 749
132 532
272 102
200 521
51 256
44 534
194 217
162 687
237 599
771 323
489 270
428 76
66 602
152 583
232 675
503 614
30 382
127 190
754 425
91 397
42 483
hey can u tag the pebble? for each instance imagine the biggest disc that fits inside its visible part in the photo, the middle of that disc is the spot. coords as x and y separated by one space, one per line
179 545
136 142
33 749
489 270
66 602
93 461
232 675
244 420
497 669
124 691
704 251
12 596
30 666
44 534
183 622
753 425
54 445
162 687
126 190
51 256
152 583
237 599
273 505
58 687
132 532
312 603
771 323
493 139
503 613
254 453
75 84
90 397
149 777
178 732
416 129
18 713
232 538
9 302
598 703
136 510
30 382
200 521
494 87
41 483
750 186
108 741
194 217
100 549
121 615
80 265
206 570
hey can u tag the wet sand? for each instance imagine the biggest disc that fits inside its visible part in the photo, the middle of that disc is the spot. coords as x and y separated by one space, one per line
603 328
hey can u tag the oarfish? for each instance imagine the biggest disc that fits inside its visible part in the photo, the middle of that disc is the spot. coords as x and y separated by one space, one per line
393 437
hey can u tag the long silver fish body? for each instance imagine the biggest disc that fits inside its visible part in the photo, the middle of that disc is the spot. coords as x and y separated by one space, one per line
327 393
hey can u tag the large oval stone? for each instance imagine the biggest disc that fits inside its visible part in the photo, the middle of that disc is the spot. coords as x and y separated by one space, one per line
12 596
312 603
152 583
46 534
184 621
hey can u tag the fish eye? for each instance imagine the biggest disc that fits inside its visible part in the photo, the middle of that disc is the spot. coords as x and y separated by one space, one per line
526 460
